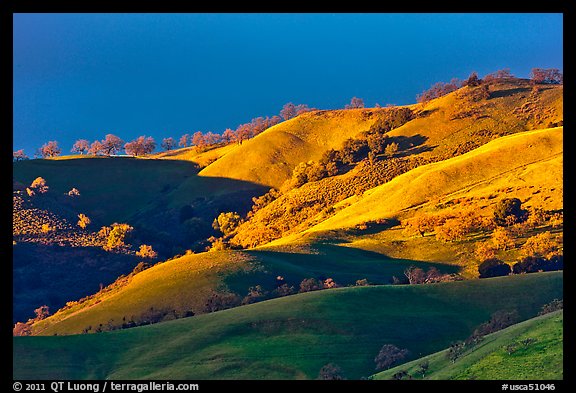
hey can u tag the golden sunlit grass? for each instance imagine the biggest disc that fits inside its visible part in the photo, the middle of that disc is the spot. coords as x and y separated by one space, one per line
270 157
180 284
201 157
511 161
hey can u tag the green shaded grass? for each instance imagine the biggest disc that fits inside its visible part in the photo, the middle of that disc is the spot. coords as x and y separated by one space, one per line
290 337
186 283
117 188
489 360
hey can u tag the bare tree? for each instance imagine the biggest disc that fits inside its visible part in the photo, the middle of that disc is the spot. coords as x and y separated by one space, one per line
355 103
198 139
184 140
19 155
80 146
288 111
95 148
140 146
228 136
168 143
111 144
50 149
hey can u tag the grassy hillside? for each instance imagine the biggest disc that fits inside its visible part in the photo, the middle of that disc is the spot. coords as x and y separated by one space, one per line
443 126
186 283
440 130
541 359
150 195
115 189
290 337
493 164
270 157
202 157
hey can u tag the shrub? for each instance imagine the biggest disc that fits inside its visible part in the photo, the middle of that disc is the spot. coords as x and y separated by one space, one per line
493 268
452 230
221 301
115 236
284 290
509 211
530 264
473 80
83 221
389 354
330 372
391 119
41 313
439 89
501 239
254 295
21 329
146 251
485 251
391 149
540 245
554 305
500 74
455 351
227 222
310 284
556 262
39 185
499 320
546 75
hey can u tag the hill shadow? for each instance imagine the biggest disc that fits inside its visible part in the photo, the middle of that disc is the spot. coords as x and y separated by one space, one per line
53 275
323 259
508 92
410 145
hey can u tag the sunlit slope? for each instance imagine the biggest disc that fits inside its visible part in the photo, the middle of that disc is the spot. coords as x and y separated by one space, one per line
202 157
290 337
493 162
443 126
270 157
455 123
185 283
541 359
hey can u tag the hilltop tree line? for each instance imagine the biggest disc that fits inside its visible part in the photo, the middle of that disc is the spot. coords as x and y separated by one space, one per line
144 145
537 76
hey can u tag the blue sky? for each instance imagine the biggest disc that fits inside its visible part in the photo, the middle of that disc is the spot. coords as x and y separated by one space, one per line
86 75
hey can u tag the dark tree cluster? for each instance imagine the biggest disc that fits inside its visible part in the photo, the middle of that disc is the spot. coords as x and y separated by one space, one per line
389 355
533 264
493 267
509 212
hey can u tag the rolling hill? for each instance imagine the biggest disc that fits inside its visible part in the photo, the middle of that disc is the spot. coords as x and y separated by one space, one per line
291 337
483 170
186 283
233 312
540 359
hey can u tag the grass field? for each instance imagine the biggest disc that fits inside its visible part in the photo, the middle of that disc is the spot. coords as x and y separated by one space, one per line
185 283
540 360
290 337
270 157
483 170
